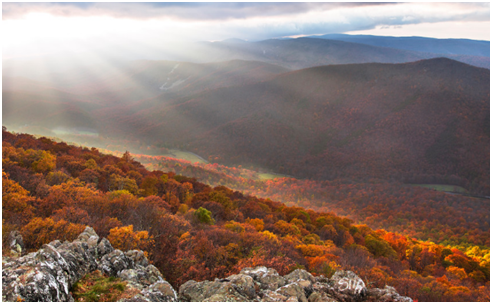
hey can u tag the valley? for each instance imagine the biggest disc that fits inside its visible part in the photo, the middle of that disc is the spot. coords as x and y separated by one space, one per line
355 121
329 152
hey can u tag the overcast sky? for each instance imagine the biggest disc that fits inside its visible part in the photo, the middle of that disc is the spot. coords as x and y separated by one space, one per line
30 28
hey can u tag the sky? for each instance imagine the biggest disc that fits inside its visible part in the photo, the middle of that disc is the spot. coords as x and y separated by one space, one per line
30 29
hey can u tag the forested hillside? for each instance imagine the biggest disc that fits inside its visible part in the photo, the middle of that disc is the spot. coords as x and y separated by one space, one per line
409 209
190 230
425 122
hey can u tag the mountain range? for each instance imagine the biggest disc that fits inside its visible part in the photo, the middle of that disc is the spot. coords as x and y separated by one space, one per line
419 44
426 121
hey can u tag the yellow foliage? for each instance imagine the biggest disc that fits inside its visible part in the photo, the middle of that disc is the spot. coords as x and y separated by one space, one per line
91 164
234 226
46 162
299 223
270 236
183 208
124 238
312 250
329 243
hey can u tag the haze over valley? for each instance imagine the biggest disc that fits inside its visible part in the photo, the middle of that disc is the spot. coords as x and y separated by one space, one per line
314 136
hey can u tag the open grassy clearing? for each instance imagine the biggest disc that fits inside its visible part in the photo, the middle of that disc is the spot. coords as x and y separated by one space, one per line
445 188
96 287
265 176
189 156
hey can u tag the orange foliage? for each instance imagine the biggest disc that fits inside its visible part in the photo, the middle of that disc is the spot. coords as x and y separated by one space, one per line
124 238
155 212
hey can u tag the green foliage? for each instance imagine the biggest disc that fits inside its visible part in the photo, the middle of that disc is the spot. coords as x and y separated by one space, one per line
312 239
164 178
204 216
323 220
95 287
379 247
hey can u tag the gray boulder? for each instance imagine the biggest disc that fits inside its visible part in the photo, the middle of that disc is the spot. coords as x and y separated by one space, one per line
16 244
243 284
347 287
48 274
193 291
320 297
160 291
141 277
138 257
114 262
266 278
272 296
235 288
299 274
388 294
293 290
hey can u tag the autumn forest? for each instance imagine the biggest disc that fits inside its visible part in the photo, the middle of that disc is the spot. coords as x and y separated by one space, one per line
190 230
147 145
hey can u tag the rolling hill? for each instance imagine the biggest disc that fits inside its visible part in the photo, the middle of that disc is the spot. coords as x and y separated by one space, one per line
44 106
422 122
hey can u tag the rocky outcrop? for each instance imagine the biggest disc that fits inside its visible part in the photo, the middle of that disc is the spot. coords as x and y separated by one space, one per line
16 244
266 285
49 274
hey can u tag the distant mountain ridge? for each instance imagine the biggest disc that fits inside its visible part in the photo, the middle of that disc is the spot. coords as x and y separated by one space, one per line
309 52
288 53
425 120
356 120
419 44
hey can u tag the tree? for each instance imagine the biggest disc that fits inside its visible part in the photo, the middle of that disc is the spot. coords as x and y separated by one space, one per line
124 238
257 223
204 216
45 162
42 231
379 247
117 182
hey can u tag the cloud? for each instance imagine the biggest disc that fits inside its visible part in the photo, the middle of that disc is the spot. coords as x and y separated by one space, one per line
117 26
184 11
359 18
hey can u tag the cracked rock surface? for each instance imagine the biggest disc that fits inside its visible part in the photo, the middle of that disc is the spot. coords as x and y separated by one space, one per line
266 285
50 273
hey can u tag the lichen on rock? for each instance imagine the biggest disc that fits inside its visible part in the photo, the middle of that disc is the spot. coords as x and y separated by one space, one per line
50 273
